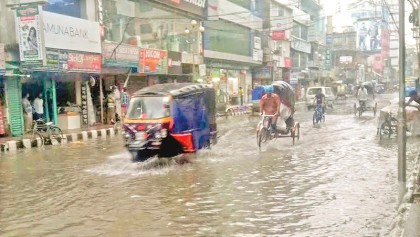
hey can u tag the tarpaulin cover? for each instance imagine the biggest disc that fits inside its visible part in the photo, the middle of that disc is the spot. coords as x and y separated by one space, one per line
258 92
191 116
286 93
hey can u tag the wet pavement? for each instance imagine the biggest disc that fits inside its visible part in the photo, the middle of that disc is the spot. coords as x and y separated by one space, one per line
338 180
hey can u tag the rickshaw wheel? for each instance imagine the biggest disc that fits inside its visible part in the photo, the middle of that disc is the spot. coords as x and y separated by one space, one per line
375 109
355 109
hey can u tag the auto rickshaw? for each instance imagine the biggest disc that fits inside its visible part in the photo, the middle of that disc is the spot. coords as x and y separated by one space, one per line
166 120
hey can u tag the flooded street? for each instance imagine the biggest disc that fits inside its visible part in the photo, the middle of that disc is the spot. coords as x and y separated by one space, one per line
338 180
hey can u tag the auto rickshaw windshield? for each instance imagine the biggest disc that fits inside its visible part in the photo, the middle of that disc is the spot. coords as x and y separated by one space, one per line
148 108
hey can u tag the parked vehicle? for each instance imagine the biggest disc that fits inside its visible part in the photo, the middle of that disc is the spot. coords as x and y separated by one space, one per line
169 119
312 91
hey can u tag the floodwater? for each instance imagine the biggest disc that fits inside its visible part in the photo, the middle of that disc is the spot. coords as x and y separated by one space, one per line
338 180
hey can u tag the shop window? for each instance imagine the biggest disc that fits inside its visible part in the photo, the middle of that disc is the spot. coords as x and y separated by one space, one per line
243 3
64 7
228 37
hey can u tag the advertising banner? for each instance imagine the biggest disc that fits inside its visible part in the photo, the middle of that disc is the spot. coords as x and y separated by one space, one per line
153 61
174 63
278 35
115 55
29 35
71 33
287 62
84 62
368 33
2 60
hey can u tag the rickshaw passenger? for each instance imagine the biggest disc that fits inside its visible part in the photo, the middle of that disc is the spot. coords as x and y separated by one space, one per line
414 96
320 100
362 96
270 105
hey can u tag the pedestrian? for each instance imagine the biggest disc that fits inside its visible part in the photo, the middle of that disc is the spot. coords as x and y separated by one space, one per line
241 95
27 112
125 100
38 107
110 100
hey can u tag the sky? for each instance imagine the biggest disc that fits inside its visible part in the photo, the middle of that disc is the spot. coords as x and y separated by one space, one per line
341 18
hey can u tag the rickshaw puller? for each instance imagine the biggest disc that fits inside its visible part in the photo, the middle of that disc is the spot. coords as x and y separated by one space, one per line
270 105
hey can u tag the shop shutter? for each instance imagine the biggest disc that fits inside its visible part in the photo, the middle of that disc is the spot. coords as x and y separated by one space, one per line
14 106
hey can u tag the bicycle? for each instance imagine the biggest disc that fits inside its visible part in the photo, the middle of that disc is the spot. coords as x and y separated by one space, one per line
51 131
318 115
388 127
264 129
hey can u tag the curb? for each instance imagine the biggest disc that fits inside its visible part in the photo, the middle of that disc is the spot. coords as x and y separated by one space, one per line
22 143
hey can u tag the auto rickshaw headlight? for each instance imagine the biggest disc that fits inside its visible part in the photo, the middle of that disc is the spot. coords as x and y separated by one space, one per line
164 132
140 136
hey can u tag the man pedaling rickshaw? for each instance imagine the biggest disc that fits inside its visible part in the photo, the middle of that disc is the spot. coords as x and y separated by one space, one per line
270 105
362 96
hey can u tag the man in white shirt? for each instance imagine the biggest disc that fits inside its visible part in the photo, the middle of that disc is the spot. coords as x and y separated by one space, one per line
362 96
39 107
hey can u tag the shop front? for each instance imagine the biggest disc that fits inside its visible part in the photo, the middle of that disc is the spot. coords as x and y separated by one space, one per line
233 82
64 82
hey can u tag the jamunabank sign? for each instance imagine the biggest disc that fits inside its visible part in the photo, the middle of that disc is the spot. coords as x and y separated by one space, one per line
65 32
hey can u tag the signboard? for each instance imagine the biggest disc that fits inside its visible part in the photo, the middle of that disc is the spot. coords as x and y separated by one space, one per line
85 103
300 45
257 42
278 35
84 62
262 73
153 61
115 55
368 35
257 55
328 58
29 35
193 6
2 129
174 63
287 62
2 60
71 33
346 59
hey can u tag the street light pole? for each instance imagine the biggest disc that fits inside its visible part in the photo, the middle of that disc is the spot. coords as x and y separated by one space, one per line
402 136
195 31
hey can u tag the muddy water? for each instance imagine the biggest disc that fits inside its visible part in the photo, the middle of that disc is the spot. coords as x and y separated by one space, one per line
338 180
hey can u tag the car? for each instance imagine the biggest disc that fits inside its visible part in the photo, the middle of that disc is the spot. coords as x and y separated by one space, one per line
312 91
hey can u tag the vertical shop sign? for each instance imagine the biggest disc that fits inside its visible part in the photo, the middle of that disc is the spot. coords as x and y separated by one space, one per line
2 130
84 104
2 60
29 35
153 61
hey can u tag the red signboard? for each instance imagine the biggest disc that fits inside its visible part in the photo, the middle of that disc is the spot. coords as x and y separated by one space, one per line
84 62
2 130
153 61
278 35
287 62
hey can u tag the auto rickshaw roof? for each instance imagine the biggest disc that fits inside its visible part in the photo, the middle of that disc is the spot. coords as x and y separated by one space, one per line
174 89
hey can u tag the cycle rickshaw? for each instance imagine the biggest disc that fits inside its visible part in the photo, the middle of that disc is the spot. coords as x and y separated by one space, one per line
366 105
285 122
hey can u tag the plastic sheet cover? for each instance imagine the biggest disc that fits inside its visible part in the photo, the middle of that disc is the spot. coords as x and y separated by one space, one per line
191 116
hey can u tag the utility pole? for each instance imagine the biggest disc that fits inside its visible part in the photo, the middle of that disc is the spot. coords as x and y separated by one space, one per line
402 136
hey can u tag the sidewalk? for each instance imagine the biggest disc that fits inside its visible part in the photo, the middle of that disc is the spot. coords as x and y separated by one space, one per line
412 223
84 134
